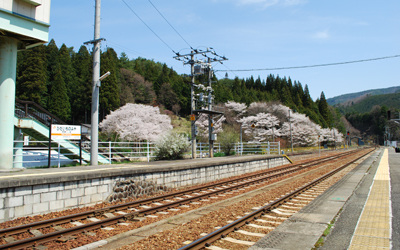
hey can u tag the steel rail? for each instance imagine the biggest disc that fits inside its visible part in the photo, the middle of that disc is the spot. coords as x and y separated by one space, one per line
68 218
207 240
131 216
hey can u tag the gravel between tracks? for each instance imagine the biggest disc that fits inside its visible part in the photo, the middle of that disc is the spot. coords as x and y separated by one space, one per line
174 238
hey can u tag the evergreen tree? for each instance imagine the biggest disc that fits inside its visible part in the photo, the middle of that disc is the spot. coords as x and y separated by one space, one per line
109 90
250 82
306 99
222 92
31 75
323 108
167 96
81 104
258 84
53 65
58 99
124 62
162 78
68 73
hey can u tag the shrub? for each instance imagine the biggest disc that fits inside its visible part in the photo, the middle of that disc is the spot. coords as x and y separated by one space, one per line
227 139
171 146
219 154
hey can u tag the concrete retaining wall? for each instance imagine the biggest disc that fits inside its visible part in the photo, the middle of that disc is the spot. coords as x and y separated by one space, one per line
39 196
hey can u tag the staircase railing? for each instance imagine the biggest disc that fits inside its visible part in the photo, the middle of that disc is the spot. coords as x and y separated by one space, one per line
24 109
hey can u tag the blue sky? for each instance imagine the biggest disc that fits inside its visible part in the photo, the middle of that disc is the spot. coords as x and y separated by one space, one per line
253 34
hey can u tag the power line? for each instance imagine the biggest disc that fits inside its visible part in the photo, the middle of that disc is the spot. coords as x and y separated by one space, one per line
228 70
124 49
166 44
316 65
169 23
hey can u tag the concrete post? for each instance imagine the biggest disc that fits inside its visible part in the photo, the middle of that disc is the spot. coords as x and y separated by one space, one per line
94 149
193 106
8 71
18 148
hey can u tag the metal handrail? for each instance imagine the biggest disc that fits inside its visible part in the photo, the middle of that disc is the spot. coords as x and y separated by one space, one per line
24 109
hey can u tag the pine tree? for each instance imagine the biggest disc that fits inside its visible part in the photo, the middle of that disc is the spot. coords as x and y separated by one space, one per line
162 78
109 90
124 62
167 96
68 73
31 79
58 99
53 64
306 99
81 104
323 108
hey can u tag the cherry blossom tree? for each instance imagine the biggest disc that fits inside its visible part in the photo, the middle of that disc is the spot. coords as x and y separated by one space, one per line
238 108
263 121
261 127
137 122
202 125
304 131
331 135
233 111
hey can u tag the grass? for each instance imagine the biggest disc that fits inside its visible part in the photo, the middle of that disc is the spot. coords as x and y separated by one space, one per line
326 232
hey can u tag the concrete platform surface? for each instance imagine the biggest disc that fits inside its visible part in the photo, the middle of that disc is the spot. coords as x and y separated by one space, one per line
358 207
26 177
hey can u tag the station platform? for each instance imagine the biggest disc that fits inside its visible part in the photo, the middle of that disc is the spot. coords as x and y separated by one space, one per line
36 191
40 176
358 212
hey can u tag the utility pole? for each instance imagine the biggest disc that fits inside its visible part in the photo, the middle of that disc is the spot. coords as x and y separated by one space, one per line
95 87
192 106
291 138
210 120
189 59
94 152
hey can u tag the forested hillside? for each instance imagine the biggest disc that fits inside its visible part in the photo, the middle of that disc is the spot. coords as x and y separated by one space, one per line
59 79
353 98
375 115
366 105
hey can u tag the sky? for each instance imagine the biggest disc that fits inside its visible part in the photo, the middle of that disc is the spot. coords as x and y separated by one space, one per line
252 34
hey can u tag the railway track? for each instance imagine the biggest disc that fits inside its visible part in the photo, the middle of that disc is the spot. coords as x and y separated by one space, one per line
66 228
266 218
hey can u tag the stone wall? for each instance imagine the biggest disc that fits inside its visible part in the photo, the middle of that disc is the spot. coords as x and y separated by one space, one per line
19 200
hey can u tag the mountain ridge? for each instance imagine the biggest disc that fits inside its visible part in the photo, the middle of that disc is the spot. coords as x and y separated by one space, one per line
352 98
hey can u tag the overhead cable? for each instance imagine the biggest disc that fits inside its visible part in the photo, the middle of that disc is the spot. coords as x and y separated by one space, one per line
169 23
315 65
166 44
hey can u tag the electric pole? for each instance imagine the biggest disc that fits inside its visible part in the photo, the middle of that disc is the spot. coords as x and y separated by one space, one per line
210 120
189 59
192 106
95 87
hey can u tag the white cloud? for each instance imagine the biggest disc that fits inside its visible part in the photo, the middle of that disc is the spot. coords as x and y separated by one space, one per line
321 35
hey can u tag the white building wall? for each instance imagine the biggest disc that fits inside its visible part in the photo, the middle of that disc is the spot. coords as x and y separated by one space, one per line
35 9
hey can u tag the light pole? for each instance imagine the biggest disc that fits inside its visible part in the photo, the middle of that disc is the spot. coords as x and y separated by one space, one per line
319 146
241 142
291 138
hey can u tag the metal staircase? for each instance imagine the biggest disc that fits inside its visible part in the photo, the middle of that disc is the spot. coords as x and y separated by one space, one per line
34 121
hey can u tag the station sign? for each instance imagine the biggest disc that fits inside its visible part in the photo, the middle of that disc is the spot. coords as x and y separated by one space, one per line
67 132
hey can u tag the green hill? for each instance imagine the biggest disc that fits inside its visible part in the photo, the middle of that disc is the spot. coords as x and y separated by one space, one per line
367 103
348 99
